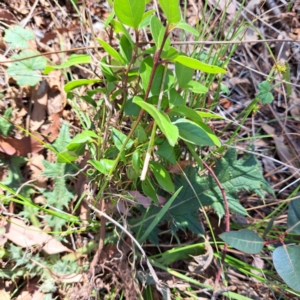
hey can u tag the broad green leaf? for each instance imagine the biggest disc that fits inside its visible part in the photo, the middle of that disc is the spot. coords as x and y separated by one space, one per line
79 82
111 51
107 71
146 18
119 139
186 27
182 110
157 31
125 49
244 240
293 220
140 134
74 59
26 72
149 190
198 65
63 139
167 152
286 259
136 158
265 92
162 176
103 165
175 97
81 139
18 37
158 217
66 157
196 87
167 128
170 54
183 74
145 72
171 9
191 132
130 12
5 126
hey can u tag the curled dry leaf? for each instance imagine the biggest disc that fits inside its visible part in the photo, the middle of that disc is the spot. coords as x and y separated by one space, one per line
202 261
27 236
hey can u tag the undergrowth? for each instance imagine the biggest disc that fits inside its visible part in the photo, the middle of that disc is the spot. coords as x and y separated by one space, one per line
154 168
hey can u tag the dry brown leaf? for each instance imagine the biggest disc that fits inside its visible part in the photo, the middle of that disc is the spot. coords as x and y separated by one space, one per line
52 130
21 147
67 278
40 98
4 295
145 201
36 167
56 94
294 104
27 236
181 165
202 261
281 148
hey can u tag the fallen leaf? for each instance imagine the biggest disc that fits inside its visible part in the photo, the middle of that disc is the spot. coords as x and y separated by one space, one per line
36 167
146 201
21 147
40 98
27 236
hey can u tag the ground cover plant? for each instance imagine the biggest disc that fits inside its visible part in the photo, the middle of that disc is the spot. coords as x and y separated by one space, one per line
126 171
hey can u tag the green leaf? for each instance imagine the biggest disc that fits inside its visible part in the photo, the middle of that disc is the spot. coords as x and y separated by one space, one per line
182 110
74 59
149 190
170 54
109 18
157 31
119 139
146 18
286 259
175 97
198 65
209 115
183 74
145 72
26 71
120 28
158 217
244 240
293 220
5 126
66 157
186 27
171 9
130 12
136 158
166 151
265 92
193 133
125 49
111 51
103 166
196 87
167 128
79 82
18 37
162 176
